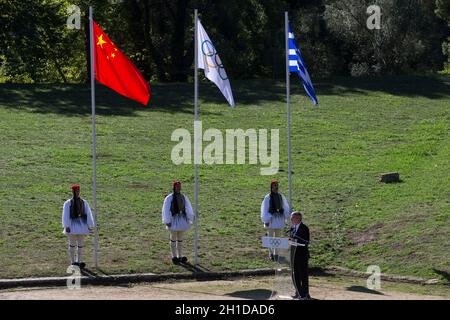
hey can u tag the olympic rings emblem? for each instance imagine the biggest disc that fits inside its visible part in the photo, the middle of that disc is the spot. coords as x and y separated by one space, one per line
274 242
212 58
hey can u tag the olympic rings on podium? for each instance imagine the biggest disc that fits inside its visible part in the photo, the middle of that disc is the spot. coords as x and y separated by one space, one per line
275 242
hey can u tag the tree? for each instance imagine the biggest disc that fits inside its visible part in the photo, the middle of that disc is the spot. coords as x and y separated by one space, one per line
36 45
443 11
157 35
407 40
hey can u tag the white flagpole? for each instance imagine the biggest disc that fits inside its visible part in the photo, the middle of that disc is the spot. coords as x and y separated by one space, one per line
94 155
196 158
288 104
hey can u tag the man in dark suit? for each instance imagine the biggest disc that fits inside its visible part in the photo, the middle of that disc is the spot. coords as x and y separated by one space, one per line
299 233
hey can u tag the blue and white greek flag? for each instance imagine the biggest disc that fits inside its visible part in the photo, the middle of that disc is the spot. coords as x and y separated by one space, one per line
296 64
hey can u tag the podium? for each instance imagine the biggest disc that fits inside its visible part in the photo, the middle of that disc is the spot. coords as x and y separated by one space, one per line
279 243
283 287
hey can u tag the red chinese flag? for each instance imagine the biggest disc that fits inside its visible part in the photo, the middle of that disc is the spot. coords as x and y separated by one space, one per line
115 70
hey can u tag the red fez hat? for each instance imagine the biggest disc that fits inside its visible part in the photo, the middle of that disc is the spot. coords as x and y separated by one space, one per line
176 182
273 182
75 187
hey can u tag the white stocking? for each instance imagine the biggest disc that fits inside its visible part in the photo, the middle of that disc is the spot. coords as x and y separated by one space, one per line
72 248
80 248
180 248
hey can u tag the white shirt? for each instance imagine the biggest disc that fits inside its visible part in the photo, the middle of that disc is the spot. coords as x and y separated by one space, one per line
267 217
77 226
178 223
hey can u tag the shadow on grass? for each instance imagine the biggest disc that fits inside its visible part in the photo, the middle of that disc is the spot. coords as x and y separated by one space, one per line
320 272
256 294
194 269
363 290
102 272
432 87
443 274
74 99
90 273
68 100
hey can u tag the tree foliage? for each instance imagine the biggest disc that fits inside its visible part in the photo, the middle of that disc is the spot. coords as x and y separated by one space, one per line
37 46
443 11
407 41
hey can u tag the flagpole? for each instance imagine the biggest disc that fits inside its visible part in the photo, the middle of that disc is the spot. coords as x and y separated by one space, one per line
196 158
94 155
288 104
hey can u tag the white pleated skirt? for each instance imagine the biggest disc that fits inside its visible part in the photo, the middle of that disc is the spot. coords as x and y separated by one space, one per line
179 223
77 226
276 222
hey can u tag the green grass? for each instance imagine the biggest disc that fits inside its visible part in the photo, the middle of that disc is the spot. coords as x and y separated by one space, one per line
363 127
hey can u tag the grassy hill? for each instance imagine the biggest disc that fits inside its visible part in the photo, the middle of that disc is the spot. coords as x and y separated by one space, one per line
363 127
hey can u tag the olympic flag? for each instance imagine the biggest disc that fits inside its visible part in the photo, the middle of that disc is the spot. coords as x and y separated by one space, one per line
209 60
206 58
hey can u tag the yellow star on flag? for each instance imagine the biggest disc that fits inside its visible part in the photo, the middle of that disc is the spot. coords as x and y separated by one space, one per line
101 41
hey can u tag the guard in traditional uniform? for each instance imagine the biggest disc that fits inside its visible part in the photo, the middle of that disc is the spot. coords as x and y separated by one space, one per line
77 222
274 213
299 233
177 215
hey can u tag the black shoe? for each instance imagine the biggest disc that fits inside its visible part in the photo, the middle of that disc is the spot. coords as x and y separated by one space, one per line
296 296
183 259
76 264
175 260
82 265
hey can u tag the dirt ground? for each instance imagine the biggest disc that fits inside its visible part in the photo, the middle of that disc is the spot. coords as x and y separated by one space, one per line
261 288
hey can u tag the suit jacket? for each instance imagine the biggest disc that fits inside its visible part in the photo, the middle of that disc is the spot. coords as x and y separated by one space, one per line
301 236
